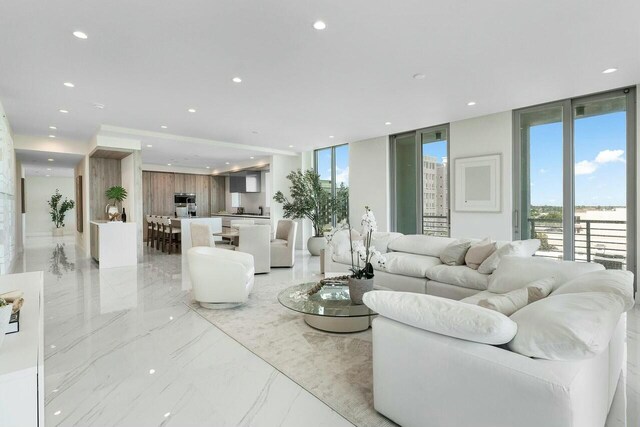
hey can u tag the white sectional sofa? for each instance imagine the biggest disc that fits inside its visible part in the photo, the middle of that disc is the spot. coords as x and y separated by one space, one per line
431 368
413 264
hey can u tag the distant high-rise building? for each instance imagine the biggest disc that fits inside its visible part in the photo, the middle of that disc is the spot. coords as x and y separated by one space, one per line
435 194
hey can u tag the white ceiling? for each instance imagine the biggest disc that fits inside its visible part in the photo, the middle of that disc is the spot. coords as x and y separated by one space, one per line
36 163
149 61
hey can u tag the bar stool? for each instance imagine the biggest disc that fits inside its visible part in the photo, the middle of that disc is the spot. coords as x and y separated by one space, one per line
149 230
170 235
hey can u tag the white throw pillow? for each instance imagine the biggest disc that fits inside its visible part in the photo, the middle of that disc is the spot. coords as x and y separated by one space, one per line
455 252
521 248
516 272
567 327
420 245
443 316
381 240
618 282
513 301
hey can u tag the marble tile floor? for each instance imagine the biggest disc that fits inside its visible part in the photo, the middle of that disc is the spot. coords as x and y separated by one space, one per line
123 349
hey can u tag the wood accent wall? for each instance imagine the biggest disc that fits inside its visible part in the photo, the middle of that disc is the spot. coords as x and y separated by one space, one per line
158 189
104 173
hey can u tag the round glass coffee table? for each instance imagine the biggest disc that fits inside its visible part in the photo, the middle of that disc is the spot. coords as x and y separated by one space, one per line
330 309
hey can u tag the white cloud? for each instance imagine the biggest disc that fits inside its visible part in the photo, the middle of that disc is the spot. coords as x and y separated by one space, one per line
585 167
342 175
609 156
543 171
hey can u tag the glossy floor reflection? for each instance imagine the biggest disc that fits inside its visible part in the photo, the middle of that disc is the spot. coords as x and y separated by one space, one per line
123 349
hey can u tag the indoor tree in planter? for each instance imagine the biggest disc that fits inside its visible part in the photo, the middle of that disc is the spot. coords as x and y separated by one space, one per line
116 194
308 200
58 211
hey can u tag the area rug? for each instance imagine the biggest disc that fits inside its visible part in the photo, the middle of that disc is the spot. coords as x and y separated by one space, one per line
336 368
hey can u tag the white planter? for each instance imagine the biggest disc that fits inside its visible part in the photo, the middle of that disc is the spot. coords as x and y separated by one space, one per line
5 316
316 244
111 210
58 232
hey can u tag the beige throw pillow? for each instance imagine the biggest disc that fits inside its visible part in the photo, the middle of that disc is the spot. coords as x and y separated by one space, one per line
455 252
478 252
513 301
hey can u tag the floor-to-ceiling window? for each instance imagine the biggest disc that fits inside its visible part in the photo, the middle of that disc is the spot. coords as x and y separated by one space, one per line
332 164
575 178
420 181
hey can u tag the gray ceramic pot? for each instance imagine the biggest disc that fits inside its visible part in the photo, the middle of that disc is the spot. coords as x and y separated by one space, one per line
358 287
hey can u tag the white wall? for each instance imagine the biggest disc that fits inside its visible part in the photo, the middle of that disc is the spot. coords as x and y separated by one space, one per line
8 190
38 191
492 134
369 180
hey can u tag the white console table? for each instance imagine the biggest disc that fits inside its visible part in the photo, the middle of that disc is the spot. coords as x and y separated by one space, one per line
22 357
114 244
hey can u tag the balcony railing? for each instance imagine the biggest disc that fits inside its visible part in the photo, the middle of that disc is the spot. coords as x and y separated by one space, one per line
435 225
601 241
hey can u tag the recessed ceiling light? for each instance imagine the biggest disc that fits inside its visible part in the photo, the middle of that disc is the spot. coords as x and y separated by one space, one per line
208 167
152 371
149 145
53 127
471 103
168 164
167 414
163 127
319 25
57 413
237 80
191 110
63 111
98 105
50 160
52 136
252 157
49 175
80 35
69 84
48 169
610 70
227 163
331 136
387 123
290 146
419 76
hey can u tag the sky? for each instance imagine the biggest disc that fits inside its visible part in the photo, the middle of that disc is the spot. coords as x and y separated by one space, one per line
600 156
342 164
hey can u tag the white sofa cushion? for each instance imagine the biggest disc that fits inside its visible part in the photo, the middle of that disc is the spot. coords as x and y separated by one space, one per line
420 245
522 248
567 327
618 282
516 272
475 298
455 252
443 316
459 275
513 301
381 240
340 243
408 264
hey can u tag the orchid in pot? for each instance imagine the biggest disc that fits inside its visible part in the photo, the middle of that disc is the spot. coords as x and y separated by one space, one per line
363 255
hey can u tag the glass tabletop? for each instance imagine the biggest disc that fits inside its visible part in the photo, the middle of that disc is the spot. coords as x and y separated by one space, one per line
331 301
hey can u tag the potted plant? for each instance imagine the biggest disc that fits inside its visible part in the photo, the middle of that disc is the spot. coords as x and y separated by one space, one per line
115 194
308 200
58 211
5 316
362 256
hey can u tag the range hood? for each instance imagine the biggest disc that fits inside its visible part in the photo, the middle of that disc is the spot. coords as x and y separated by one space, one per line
244 182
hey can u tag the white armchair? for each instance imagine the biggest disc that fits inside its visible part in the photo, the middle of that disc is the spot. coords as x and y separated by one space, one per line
256 240
283 247
220 278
